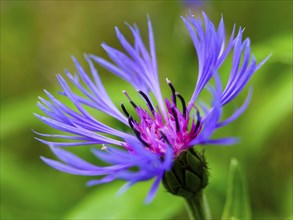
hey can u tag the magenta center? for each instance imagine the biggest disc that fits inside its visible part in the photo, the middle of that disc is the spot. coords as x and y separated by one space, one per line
157 132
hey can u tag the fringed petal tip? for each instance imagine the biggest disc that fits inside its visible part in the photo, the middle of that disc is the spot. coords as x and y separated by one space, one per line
223 141
238 112
124 188
264 61
153 191
151 194
106 179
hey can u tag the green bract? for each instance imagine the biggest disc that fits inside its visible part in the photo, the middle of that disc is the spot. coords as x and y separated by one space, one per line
188 176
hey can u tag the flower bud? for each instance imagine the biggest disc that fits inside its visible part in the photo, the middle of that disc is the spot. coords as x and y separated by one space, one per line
188 176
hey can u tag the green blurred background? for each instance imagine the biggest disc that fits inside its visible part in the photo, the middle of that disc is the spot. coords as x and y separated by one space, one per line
37 39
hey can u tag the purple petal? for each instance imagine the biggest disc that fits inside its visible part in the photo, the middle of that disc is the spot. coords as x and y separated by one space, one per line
67 169
106 179
83 171
153 190
238 112
125 187
73 160
222 141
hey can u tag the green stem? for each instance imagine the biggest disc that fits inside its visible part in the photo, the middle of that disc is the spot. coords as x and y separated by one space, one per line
198 208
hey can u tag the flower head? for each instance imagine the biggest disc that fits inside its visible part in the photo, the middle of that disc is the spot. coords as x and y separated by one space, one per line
161 129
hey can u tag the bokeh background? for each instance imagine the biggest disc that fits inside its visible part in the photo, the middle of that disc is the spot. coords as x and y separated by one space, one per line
37 40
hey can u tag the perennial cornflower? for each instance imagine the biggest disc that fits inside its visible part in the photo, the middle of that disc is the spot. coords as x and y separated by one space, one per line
161 130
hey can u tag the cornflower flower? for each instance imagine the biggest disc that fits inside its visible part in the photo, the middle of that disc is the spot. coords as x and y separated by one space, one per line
163 129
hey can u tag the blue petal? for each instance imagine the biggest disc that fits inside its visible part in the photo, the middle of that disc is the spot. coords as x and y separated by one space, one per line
106 179
68 169
222 141
125 187
73 160
238 112
153 190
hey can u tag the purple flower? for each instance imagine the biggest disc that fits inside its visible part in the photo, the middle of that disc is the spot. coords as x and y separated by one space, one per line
160 131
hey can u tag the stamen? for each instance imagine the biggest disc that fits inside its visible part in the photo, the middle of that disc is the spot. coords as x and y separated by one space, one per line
136 132
173 90
147 100
165 138
130 100
182 102
198 120
124 110
138 135
176 119
130 122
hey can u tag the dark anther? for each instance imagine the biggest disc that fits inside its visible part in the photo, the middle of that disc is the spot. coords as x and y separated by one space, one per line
182 102
130 100
133 104
176 119
137 133
165 138
130 122
147 100
124 110
173 91
198 120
